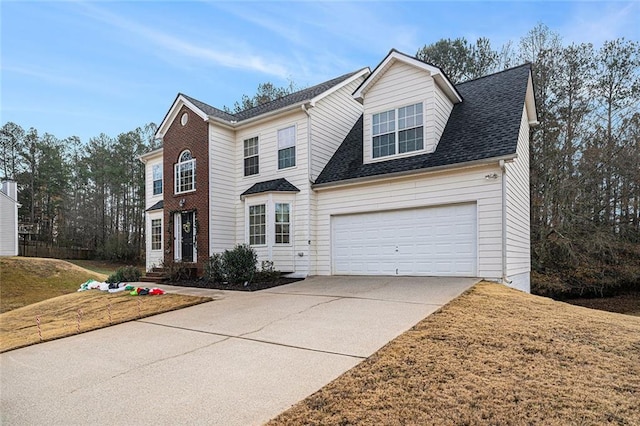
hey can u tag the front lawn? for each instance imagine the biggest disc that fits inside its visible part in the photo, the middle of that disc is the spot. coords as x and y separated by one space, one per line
493 356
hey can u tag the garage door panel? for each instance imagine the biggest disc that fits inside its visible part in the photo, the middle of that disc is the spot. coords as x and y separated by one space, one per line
425 241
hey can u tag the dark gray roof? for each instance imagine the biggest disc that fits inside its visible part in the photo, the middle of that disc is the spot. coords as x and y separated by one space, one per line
157 206
484 125
279 185
292 99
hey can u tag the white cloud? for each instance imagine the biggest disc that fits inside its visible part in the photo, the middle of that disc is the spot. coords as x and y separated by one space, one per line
175 46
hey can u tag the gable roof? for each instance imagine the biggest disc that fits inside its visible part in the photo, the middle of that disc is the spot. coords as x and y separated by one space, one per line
484 126
396 56
275 185
206 111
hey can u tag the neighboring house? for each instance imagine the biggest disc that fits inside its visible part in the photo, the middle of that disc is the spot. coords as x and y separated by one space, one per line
390 172
9 219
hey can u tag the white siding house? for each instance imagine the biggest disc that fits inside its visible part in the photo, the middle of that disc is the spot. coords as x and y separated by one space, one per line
9 219
390 172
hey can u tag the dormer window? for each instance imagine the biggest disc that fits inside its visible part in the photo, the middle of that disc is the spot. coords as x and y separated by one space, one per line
398 131
185 173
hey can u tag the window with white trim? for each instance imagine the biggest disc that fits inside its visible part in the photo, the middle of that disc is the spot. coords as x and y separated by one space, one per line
282 223
156 234
251 159
397 131
257 225
157 179
185 173
287 147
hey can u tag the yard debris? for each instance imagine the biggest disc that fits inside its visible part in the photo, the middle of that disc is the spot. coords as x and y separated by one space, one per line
118 287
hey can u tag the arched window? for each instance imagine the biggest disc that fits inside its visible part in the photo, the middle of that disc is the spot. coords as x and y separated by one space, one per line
185 173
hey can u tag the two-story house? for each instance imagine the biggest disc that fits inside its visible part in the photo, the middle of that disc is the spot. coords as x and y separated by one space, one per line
390 172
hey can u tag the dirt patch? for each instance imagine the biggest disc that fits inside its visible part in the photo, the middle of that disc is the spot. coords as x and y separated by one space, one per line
93 309
628 304
492 356
27 280
237 287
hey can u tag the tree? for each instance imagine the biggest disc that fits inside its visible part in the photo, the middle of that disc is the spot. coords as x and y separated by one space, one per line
11 144
461 60
265 93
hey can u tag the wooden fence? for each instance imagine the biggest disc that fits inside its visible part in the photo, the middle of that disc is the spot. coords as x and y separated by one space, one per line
42 250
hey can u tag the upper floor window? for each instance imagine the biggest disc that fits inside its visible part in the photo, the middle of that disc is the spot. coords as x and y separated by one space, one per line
185 173
251 161
286 147
397 131
157 179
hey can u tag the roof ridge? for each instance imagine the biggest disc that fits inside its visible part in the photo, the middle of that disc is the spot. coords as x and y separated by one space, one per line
292 94
526 64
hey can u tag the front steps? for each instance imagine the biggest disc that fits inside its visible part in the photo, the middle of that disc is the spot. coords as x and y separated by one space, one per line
156 275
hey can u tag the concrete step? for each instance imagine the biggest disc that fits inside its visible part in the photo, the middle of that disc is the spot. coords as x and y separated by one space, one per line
148 279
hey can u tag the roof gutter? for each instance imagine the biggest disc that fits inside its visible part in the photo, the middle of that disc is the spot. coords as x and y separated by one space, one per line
144 157
366 179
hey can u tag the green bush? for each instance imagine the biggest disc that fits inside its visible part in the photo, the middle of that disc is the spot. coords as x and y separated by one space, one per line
176 271
125 274
239 265
213 269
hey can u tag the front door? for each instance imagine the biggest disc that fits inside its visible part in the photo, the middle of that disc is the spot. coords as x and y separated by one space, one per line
186 219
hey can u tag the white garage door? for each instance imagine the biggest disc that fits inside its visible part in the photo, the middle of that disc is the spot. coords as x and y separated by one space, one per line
436 241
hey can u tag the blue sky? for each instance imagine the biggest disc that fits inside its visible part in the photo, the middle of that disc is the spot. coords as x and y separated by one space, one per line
85 68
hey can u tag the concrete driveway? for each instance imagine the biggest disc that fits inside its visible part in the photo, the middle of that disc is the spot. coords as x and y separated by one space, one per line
239 360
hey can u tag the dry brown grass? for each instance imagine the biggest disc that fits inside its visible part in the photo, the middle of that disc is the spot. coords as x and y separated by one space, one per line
27 280
59 316
493 356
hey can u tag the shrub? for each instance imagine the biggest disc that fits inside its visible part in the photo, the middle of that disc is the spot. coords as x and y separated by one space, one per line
125 274
239 265
176 271
267 273
213 269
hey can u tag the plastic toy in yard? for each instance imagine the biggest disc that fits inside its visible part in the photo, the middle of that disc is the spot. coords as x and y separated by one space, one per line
140 291
118 287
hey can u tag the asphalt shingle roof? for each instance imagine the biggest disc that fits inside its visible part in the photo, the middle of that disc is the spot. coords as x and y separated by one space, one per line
291 99
484 125
280 185
157 206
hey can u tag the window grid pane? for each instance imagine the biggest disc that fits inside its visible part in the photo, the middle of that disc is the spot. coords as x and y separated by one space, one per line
157 187
384 122
156 234
257 225
251 166
410 140
282 223
384 145
410 116
287 157
287 137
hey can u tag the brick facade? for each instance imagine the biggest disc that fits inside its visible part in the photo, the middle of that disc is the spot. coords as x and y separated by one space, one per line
194 137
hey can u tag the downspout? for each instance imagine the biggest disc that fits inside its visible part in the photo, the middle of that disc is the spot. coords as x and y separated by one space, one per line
305 108
503 168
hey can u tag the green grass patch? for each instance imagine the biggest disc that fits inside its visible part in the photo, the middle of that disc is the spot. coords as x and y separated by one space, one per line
27 280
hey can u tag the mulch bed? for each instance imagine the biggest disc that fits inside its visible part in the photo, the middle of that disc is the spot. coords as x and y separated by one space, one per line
200 283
